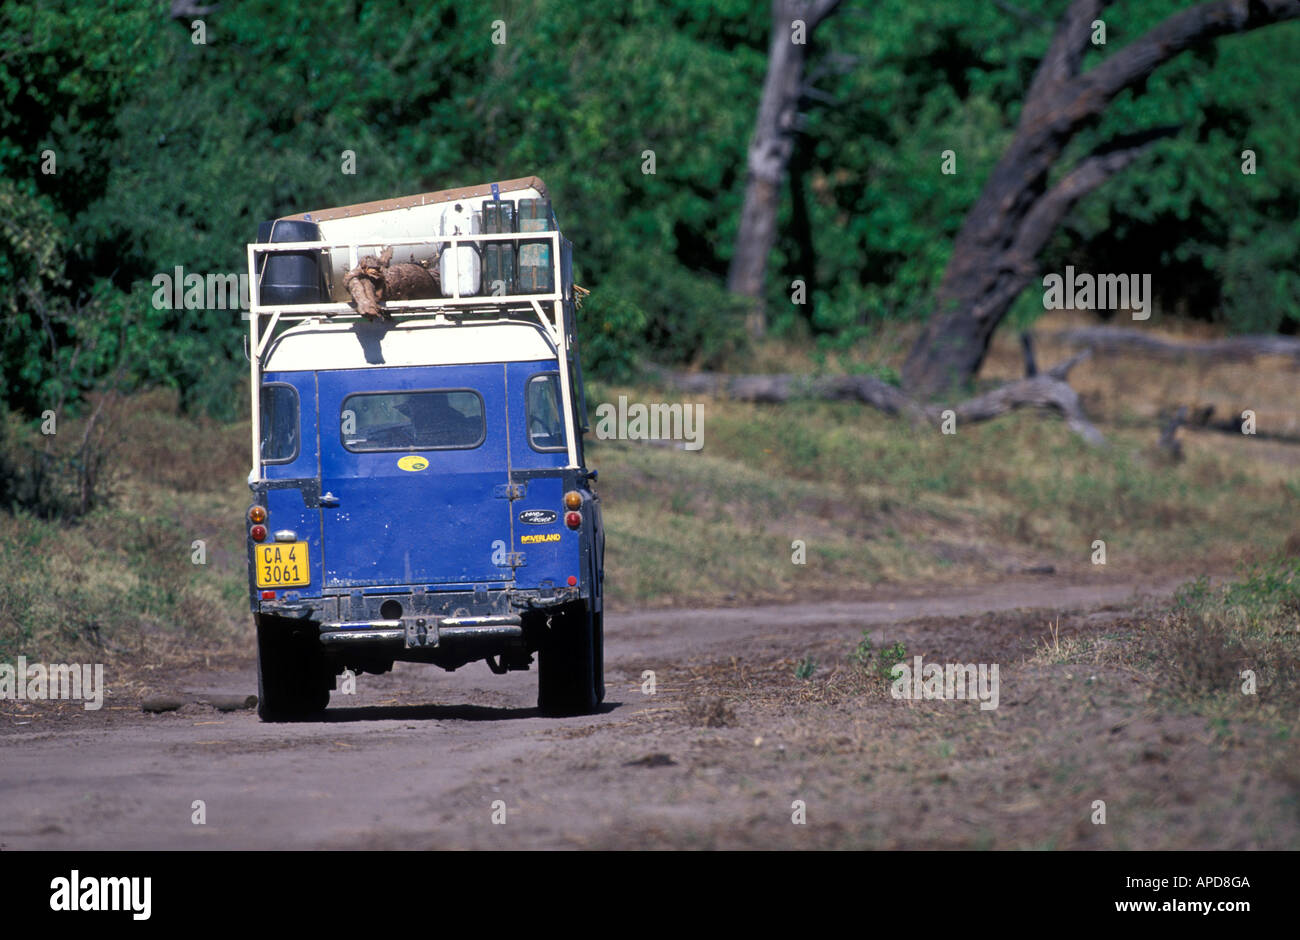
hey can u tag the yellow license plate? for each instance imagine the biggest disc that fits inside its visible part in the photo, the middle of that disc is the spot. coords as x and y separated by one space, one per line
283 564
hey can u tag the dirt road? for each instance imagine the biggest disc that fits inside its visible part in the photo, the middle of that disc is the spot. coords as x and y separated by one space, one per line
716 757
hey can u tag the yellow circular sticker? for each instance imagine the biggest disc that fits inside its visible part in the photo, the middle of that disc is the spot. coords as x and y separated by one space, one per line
412 463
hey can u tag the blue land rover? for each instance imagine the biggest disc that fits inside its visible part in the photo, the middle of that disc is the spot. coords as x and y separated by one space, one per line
419 487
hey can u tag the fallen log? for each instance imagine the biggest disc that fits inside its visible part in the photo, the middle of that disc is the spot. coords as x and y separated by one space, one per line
221 701
781 388
1049 390
1118 339
1042 391
1201 418
164 703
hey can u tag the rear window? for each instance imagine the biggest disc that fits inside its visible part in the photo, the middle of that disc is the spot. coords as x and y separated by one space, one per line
545 426
279 423
439 419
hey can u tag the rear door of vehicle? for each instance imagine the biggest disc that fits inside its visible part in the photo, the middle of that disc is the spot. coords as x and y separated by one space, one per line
290 468
539 451
415 474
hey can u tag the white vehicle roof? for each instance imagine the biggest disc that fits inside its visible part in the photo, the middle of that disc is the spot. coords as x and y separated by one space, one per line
358 344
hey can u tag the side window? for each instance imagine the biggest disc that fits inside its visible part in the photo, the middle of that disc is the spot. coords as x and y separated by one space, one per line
279 423
440 419
545 422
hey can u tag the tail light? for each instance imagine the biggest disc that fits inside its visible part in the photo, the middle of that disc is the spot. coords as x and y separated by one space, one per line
258 533
573 500
257 514
573 519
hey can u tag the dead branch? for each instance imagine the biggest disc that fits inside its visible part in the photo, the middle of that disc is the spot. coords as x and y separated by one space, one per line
1168 442
778 389
377 279
1042 391
1027 347
1049 391
1061 370
1118 339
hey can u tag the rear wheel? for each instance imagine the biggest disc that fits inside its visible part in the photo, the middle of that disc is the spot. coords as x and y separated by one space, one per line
599 656
292 679
570 674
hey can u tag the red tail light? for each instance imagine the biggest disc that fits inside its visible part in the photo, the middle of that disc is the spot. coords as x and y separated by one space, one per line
573 519
258 532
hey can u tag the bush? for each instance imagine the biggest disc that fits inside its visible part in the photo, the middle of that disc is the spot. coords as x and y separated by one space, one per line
1214 635
692 319
611 331
67 475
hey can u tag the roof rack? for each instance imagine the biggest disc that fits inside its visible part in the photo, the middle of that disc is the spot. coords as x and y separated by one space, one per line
552 311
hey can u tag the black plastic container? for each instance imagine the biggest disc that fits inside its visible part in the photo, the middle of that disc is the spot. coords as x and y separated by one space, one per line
290 277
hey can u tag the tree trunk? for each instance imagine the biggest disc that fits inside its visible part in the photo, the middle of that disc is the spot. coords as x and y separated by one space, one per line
995 253
770 149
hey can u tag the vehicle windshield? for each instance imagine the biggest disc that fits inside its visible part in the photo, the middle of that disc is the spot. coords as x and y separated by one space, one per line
425 420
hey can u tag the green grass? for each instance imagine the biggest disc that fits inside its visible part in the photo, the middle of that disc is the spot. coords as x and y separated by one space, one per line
1228 654
876 500
873 500
121 579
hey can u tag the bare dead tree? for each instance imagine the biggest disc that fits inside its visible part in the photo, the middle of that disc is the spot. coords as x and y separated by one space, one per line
793 22
995 253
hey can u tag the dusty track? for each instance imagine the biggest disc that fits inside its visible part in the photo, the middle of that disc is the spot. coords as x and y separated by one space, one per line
417 757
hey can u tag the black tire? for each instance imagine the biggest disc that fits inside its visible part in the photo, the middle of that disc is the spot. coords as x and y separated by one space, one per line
292 680
599 638
569 679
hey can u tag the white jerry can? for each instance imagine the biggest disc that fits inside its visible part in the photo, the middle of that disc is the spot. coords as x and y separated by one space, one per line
462 267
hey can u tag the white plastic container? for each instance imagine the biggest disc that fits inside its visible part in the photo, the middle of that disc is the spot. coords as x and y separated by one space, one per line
461 267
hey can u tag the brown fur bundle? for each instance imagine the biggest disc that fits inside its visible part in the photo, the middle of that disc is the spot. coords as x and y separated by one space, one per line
374 280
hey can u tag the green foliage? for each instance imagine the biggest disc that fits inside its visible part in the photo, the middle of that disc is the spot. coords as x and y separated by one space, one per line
55 476
1266 596
805 668
609 329
864 651
865 657
890 657
169 153
689 317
